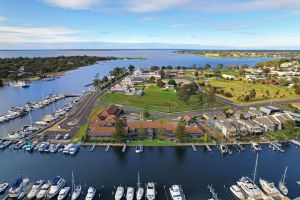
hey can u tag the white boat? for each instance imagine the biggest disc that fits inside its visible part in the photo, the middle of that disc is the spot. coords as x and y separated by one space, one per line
150 191
255 146
3 187
66 150
91 193
249 188
73 149
282 187
237 192
54 148
76 190
63 193
223 148
44 190
269 188
19 187
16 135
30 146
140 190
130 193
177 193
42 123
119 193
137 149
57 184
36 187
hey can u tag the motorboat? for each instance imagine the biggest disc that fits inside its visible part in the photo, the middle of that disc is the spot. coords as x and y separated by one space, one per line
42 123
269 188
150 191
255 146
91 193
137 149
130 193
16 135
223 148
119 193
3 187
20 187
30 146
139 193
237 192
76 193
249 188
63 193
5 144
57 184
36 187
44 190
177 192
282 187
66 149
54 147
73 149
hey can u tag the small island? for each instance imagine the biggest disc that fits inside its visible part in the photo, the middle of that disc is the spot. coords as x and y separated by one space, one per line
241 53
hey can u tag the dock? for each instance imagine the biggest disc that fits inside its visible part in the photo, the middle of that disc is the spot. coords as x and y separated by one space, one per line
194 148
208 148
124 148
92 148
295 142
212 191
141 148
276 147
107 148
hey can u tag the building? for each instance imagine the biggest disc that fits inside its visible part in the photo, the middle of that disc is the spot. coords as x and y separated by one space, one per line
252 127
224 126
269 110
266 123
294 116
213 115
254 113
119 88
227 76
127 81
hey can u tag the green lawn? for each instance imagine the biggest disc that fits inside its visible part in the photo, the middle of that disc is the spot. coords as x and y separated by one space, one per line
153 99
238 88
284 134
152 143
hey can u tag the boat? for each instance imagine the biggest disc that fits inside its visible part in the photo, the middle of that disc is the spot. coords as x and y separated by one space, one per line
63 193
36 187
137 149
54 147
282 187
73 149
269 188
150 191
177 192
255 146
237 192
66 149
44 190
91 193
57 184
5 144
30 146
249 188
76 190
20 187
119 193
140 190
223 148
3 187
298 182
130 193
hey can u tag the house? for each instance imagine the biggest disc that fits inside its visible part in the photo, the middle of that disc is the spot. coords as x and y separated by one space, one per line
241 129
282 118
223 126
269 110
137 80
127 81
294 116
227 76
241 115
266 123
213 115
254 113
119 88
252 127
188 119
276 122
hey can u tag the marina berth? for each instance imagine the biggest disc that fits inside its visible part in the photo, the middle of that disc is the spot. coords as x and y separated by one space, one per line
90 193
130 193
73 149
237 192
119 193
255 146
63 193
150 191
36 187
44 190
20 188
177 192
270 189
57 183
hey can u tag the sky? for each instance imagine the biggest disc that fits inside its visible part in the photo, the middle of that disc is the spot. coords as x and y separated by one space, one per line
199 24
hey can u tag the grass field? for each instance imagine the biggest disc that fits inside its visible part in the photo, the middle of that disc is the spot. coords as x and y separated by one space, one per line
153 99
284 134
237 88
152 143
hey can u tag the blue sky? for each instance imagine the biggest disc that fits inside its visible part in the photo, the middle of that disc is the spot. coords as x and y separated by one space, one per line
247 24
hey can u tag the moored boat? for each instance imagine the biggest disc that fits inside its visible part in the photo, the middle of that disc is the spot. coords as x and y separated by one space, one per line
44 190
237 192
57 184
130 193
91 193
177 193
119 193
270 189
150 191
36 187
282 186
3 187
63 193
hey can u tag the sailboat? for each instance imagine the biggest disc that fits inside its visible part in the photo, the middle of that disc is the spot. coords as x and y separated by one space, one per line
282 187
140 190
76 190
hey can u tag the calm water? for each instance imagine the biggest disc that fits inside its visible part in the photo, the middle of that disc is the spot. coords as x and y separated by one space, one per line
165 166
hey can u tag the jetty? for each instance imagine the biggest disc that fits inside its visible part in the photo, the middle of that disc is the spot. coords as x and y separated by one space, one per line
92 148
124 148
212 191
194 148
276 147
107 148
295 142
208 148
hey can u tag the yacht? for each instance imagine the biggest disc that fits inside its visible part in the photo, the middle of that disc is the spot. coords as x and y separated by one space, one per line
249 188
35 189
150 191
54 147
177 193
223 149
137 149
30 146
269 188
119 193
67 148
91 193
16 135
3 187
255 146
237 192
282 187
57 184
130 193
76 193
5 144
140 190
73 149
44 190
63 193
20 187
42 123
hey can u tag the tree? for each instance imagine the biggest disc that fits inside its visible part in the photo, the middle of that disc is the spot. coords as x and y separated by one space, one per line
220 66
244 66
172 82
152 79
159 83
154 68
120 132
206 67
1 83
161 132
196 74
181 134
297 89
206 139
289 124
162 74
131 68
252 93
146 115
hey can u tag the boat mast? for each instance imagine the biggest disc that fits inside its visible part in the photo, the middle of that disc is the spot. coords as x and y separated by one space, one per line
73 183
255 168
139 182
284 175
31 124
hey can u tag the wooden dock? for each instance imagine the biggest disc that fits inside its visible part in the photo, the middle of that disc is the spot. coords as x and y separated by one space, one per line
194 148
295 142
92 148
124 148
107 148
212 191
208 148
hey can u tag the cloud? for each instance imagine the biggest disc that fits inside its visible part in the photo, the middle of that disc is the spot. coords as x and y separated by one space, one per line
2 19
74 4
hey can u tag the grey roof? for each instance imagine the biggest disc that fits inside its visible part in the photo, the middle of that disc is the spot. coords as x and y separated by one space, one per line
264 120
